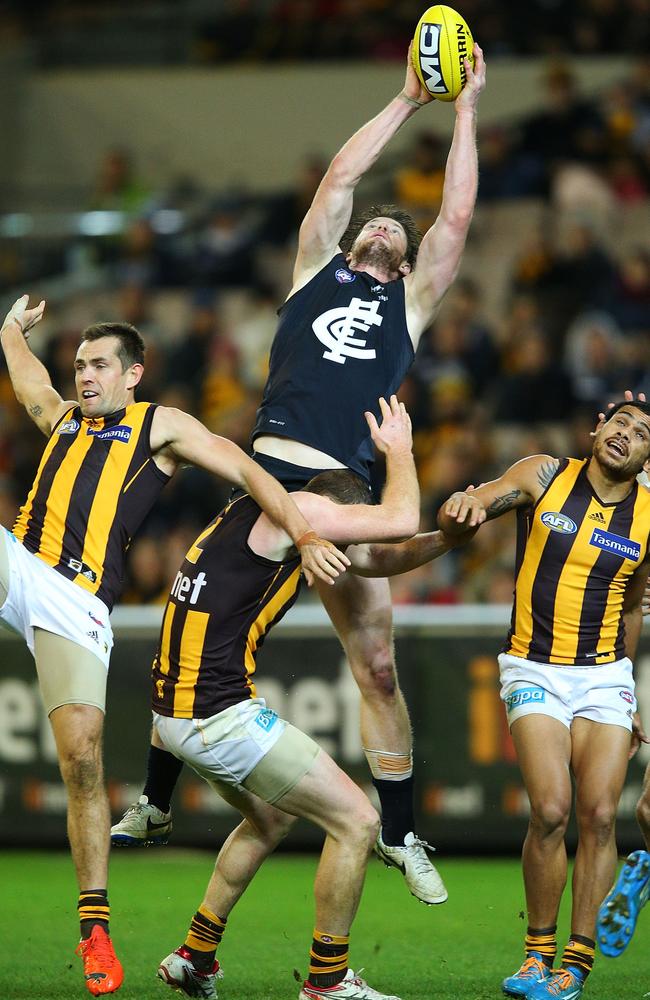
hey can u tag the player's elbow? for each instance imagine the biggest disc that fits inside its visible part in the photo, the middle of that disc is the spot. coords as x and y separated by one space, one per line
340 174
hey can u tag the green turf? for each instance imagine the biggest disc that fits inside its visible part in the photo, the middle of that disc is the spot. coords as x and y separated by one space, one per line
460 950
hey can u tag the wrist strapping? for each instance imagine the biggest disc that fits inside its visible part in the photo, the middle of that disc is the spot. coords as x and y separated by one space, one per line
309 536
411 101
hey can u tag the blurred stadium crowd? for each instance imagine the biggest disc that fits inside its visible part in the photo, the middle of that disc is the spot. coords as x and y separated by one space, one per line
217 31
549 319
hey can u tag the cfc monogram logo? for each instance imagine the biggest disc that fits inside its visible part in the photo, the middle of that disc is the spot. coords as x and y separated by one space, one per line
336 328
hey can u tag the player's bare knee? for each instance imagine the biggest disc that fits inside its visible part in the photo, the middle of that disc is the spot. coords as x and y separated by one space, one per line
81 771
377 677
550 818
598 821
274 828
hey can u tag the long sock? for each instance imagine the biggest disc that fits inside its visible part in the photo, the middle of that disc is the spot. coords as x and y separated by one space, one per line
328 959
163 770
397 817
579 955
93 909
203 937
542 941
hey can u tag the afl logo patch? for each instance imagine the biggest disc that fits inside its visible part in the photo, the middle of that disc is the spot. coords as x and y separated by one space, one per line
559 522
68 427
343 276
627 696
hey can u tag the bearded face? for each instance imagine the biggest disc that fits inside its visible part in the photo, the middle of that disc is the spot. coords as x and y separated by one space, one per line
381 244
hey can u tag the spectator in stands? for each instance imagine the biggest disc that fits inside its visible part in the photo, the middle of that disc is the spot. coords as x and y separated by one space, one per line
418 184
538 390
118 189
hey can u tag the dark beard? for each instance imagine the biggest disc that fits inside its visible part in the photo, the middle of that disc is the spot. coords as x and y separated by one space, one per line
378 254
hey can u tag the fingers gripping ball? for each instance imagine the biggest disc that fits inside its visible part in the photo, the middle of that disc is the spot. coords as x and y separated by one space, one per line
441 44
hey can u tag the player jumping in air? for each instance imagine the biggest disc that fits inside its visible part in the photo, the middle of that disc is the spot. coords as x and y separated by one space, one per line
363 293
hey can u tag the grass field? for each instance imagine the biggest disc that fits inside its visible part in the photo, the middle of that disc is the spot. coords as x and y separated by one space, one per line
459 950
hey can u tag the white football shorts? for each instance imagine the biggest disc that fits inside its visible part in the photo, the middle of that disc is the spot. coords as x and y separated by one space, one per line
39 597
603 693
246 746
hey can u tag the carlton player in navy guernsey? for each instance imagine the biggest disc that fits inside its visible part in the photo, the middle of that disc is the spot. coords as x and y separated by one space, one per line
566 670
105 463
362 295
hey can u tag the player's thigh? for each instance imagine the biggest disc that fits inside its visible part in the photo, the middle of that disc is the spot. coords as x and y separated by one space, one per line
599 761
68 674
543 746
361 611
327 796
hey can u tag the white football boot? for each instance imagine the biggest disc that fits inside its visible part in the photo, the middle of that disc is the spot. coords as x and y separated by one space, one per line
353 987
421 876
178 971
142 825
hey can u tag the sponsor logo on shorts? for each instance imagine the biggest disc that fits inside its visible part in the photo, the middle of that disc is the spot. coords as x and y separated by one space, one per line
525 696
94 635
68 427
627 696
95 620
118 433
266 719
343 276
616 544
559 522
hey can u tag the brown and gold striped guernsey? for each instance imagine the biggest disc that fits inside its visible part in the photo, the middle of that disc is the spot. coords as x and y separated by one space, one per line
96 483
223 602
575 555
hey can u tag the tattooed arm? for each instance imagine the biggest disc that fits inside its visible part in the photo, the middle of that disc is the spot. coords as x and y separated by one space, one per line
522 484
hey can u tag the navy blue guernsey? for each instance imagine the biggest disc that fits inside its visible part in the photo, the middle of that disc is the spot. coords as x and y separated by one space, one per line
342 342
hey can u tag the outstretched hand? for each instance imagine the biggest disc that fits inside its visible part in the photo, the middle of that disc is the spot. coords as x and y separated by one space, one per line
23 317
414 89
394 434
475 82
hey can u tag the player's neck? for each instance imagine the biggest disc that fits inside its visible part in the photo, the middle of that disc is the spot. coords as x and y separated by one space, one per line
606 487
380 274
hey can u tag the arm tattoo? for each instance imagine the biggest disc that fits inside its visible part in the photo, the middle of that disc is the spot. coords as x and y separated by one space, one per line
36 410
503 503
546 473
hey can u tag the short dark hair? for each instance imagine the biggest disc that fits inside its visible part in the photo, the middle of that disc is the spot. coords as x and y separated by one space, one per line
131 349
637 404
341 486
413 234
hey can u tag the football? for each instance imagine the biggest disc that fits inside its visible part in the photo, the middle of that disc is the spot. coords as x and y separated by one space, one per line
441 43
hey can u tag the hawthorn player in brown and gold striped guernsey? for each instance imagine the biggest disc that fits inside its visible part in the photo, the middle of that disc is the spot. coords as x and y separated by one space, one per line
566 671
105 463
96 482
237 580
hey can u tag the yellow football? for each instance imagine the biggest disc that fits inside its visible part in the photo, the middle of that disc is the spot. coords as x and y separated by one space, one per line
441 43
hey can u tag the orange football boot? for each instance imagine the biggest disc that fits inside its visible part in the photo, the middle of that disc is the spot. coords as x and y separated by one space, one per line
102 969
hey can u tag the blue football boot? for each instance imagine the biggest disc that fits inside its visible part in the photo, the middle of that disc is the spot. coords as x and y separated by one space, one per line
620 909
562 984
532 971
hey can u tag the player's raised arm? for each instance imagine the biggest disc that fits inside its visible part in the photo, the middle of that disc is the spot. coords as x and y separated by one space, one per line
522 484
442 246
29 377
177 437
331 209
